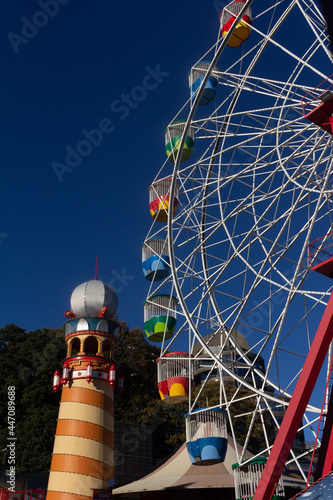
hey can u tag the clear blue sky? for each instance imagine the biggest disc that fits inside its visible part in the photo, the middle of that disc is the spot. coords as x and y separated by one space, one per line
120 67
64 64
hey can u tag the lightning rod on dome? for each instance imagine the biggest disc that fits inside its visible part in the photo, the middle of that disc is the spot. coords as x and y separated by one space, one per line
96 268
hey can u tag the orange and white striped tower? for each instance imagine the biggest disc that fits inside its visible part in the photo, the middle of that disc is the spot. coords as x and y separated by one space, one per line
83 453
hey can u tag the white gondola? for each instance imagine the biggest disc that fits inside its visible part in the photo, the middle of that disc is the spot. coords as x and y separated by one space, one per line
247 477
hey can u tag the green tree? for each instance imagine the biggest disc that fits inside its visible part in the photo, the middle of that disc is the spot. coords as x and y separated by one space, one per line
136 359
27 362
140 402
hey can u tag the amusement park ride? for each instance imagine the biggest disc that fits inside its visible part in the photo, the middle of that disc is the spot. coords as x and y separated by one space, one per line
250 186
239 261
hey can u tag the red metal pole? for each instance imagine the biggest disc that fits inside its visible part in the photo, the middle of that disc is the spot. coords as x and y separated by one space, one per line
325 451
295 411
330 122
328 465
96 268
318 470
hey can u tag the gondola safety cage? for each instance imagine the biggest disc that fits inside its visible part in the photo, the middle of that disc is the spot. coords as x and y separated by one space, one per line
197 75
206 436
173 135
243 29
155 259
247 478
159 197
174 377
160 317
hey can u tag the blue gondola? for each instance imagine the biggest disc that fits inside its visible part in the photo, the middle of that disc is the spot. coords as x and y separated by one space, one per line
206 436
196 76
155 259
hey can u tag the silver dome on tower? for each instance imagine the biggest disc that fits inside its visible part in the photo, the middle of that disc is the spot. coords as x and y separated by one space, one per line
89 298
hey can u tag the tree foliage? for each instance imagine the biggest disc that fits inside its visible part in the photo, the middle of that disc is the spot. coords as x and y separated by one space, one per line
140 402
136 360
27 362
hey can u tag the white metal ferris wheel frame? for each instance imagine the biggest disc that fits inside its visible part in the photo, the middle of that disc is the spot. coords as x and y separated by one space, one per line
242 84
176 283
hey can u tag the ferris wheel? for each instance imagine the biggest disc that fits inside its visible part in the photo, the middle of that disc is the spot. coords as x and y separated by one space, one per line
246 187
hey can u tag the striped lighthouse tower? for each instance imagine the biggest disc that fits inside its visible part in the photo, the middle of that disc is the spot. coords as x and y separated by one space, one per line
83 453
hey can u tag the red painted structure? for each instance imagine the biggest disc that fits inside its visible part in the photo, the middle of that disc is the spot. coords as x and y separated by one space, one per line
22 494
295 411
325 457
100 494
325 438
318 106
321 255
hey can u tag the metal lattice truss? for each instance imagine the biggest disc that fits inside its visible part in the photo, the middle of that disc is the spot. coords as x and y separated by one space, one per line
256 190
